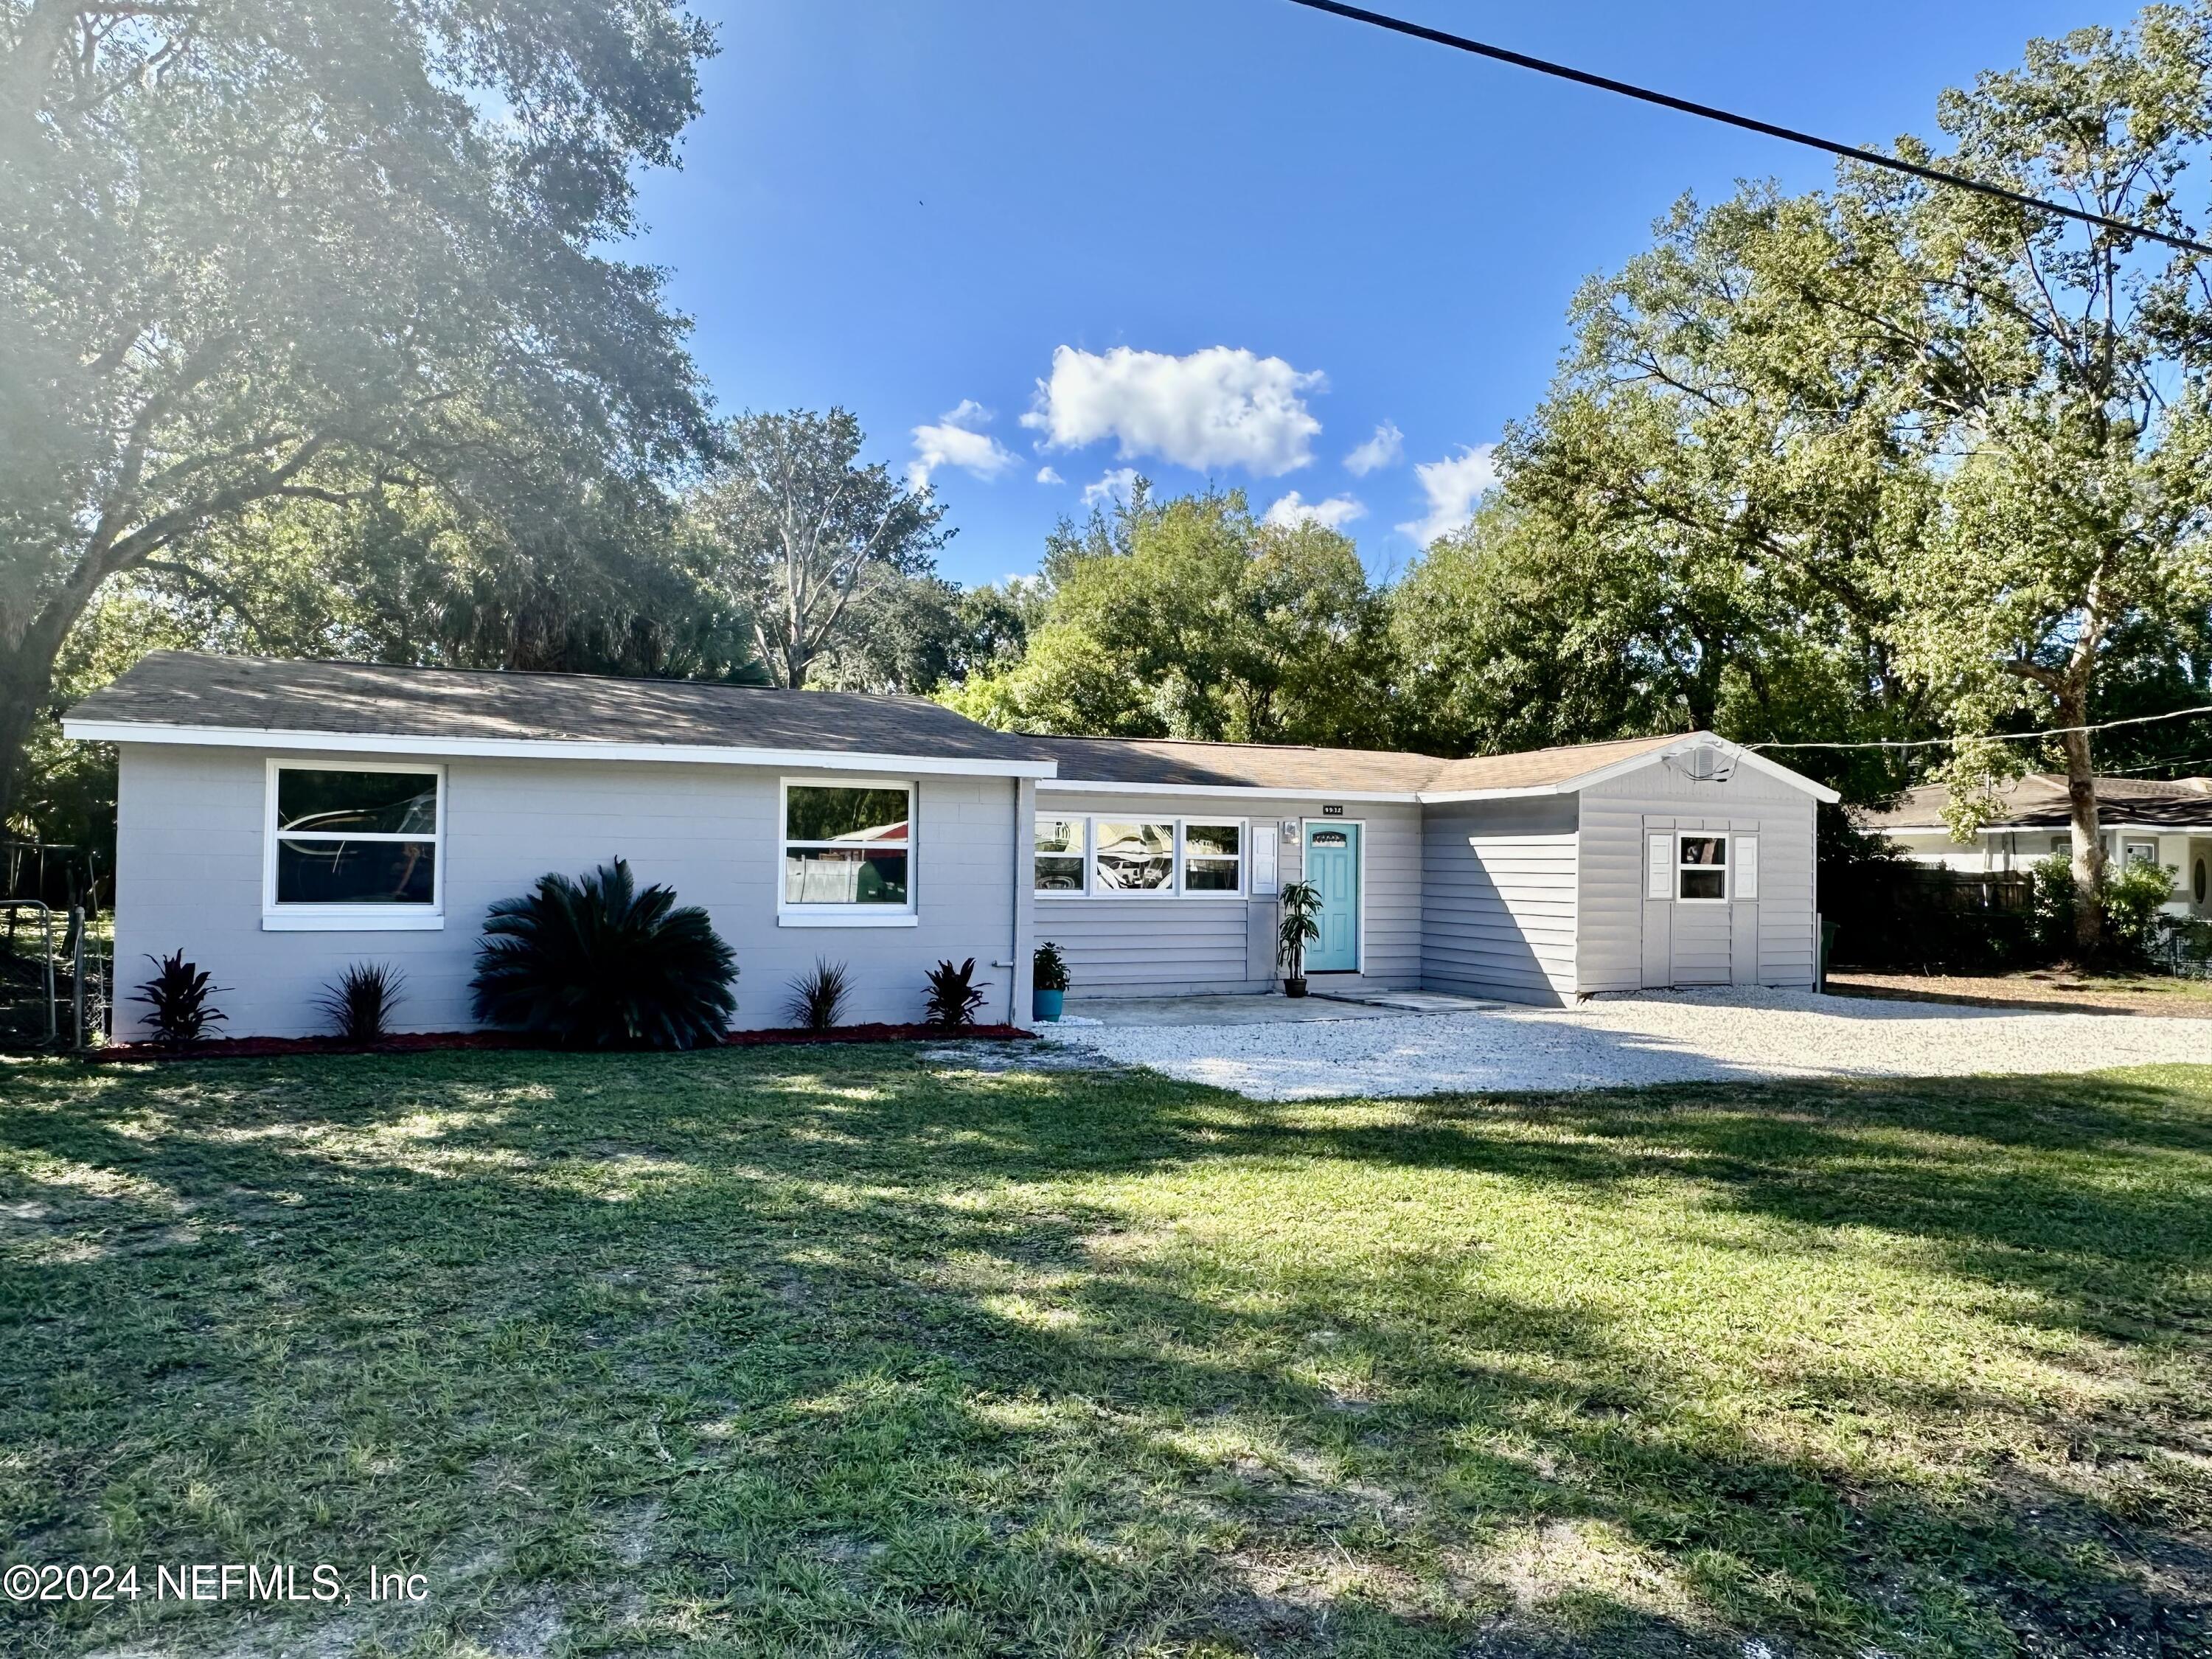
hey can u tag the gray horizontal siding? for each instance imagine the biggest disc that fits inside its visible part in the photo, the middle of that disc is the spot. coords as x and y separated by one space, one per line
1617 925
1499 885
1146 944
189 871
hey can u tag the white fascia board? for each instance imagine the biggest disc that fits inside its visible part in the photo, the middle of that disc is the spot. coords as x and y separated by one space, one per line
1526 791
355 743
1076 786
1704 740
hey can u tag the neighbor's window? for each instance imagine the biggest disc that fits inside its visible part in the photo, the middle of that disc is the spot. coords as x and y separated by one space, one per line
1212 858
1060 855
1132 858
2142 852
1702 867
847 846
348 838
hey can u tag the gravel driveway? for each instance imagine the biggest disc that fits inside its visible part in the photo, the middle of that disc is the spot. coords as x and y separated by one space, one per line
1682 1037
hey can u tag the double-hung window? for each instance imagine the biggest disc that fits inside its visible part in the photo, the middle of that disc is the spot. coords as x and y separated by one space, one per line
1701 868
1059 854
1212 858
356 845
848 855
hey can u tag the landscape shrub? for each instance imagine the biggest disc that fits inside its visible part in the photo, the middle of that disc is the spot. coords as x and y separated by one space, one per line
595 963
2135 894
360 1001
1047 967
818 997
178 995
953 995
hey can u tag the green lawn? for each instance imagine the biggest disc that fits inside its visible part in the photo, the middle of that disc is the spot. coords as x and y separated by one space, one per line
819 1352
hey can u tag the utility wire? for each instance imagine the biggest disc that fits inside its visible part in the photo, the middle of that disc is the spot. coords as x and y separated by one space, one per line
1993 737
1790 135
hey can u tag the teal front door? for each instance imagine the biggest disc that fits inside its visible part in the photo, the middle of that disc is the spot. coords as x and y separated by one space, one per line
1333 867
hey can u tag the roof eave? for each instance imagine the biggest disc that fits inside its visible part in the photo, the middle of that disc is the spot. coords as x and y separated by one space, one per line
359 743
1258 791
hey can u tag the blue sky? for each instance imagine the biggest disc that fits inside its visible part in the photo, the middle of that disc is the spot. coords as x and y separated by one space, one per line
1032 245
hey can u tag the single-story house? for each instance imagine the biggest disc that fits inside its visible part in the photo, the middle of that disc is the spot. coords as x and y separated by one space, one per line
2168 824
279 821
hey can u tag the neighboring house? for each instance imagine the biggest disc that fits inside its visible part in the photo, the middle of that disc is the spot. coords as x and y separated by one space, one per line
2168 824
277 821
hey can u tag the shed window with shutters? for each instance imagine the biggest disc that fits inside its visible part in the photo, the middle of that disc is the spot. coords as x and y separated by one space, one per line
1701 868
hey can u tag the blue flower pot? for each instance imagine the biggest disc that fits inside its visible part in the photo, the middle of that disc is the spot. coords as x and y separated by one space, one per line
1051 1003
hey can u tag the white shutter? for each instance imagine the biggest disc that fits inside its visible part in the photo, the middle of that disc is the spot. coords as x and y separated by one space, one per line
1661 883
1744 849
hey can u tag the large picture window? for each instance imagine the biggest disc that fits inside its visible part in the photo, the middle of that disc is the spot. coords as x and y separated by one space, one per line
1701 868
1059 855
1133 857
356 844
847 849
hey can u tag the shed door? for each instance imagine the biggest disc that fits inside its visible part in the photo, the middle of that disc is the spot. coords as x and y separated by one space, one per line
1700 906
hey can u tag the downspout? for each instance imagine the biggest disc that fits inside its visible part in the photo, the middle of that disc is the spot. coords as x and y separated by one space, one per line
1018 1000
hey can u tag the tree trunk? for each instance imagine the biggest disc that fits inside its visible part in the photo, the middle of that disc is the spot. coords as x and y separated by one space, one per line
2088 837
23 694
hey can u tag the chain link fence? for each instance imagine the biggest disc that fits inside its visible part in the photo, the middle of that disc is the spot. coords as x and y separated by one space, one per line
56 975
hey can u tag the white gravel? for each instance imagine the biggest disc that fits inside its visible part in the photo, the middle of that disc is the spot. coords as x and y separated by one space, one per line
1683 1036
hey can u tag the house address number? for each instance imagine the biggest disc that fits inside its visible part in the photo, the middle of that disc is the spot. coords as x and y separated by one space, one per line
1332 812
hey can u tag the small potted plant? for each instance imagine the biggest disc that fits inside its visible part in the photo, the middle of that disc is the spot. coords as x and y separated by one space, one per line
1300 926
1049 980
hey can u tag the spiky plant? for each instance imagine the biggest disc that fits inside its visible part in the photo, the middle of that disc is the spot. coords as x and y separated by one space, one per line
953 996
361 1000
595 963
178 994
818 996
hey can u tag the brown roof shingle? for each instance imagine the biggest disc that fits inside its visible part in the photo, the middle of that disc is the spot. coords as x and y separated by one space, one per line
265 694
2038 800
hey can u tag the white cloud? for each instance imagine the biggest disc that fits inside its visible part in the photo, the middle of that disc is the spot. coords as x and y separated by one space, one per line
956 441
1114 487
1046 475
1453 485
1215 408
1334 514
1386 448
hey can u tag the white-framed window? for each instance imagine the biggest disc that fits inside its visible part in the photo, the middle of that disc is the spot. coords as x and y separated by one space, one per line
1133 855
846 852
2140 852
1099 856
1701 869
1212 858
1058 853
354 845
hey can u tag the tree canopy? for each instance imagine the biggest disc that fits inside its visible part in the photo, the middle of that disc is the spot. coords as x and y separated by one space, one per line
265 251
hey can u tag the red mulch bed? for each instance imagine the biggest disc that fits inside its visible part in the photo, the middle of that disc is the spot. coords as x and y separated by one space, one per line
418 1042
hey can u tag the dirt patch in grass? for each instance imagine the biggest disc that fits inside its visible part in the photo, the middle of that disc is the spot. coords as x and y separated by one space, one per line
2039 991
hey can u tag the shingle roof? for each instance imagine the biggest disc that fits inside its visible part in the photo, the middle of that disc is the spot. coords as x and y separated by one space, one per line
1237 765
2039 802
263 694
197 691
1287 766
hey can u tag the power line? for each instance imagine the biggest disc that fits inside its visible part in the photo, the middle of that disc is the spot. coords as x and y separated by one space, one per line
1993 737
1790 135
